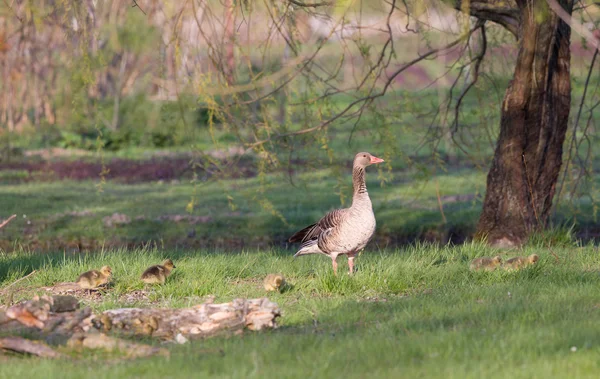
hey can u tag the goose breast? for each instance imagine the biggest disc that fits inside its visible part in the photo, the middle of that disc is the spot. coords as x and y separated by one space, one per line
354 232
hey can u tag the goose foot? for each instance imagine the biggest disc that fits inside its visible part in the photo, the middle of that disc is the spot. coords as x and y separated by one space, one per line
334 263
351 263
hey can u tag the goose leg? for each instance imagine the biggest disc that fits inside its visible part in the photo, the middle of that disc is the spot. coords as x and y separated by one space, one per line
333 257
351 263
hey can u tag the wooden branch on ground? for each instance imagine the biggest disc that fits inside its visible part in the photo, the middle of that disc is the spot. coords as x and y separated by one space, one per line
46 315
7 221
111 344
17 281
33 313
25 346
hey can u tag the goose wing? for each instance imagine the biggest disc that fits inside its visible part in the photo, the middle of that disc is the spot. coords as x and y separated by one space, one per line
321 228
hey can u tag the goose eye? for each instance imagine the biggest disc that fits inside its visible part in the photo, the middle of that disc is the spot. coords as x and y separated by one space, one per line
364 156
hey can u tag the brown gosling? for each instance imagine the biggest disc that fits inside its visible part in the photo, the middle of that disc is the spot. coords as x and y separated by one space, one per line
517 263
158 274
94 278
485 263
273 282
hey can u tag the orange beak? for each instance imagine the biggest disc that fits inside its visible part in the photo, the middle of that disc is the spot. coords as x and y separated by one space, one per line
374 159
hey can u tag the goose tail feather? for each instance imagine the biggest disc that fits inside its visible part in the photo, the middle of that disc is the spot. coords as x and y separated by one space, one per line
309 247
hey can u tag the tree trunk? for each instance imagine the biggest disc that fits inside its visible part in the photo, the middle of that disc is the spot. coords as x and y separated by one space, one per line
229 41
535 112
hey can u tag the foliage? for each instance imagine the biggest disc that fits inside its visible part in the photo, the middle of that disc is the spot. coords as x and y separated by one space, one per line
308 82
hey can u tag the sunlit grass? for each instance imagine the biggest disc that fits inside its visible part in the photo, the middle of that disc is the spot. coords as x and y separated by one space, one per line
416 311
232 209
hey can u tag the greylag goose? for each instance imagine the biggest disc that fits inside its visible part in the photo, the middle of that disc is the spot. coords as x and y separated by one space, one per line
158 274
485 263
343 231
274 282
520 262
94 278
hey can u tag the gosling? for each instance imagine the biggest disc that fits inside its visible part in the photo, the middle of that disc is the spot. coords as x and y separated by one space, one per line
273 282
517 263
93 279
158 274
486 263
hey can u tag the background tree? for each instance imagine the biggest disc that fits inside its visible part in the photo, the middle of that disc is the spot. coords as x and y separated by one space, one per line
535 112
285 81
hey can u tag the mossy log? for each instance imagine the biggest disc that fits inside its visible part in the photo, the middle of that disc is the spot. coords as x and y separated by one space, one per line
25 346
203 320
57 318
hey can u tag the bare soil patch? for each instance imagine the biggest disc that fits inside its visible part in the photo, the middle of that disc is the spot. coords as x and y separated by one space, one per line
120 170
72 289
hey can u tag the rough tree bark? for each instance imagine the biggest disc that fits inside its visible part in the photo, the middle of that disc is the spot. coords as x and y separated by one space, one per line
535 111
534 119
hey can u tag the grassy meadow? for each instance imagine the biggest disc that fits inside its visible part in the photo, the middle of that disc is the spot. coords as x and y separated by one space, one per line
413 308
416 311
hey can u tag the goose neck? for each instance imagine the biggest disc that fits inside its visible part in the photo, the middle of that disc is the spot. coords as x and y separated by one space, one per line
359 184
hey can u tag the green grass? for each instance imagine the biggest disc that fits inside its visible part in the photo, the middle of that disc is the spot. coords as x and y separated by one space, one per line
406 313
237 210
259 211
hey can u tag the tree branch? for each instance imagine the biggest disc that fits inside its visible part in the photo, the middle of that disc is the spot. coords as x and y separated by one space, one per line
310 5
368 99
13 11
135 4
477 59
3 224
505 13
575 25
574 145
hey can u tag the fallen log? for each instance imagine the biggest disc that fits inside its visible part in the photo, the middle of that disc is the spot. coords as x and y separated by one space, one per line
126 348
200 321
64 304
48 314
25 346
59 321
57 318
32 313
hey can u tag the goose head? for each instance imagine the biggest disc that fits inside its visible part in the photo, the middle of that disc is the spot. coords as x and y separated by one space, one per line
365 159
106 271
168 264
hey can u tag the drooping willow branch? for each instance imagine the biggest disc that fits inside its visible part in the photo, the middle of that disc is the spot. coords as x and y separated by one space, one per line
574 145
136 5
475 75
364 101
575 25
310 5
